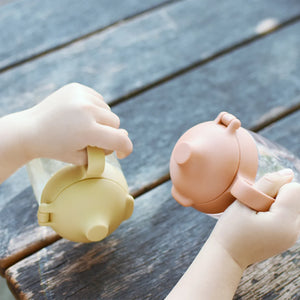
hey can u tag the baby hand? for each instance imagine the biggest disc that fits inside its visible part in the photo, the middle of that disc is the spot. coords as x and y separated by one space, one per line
250 236
69 120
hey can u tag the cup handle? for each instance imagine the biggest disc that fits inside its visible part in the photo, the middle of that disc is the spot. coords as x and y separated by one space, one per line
246 193
96 162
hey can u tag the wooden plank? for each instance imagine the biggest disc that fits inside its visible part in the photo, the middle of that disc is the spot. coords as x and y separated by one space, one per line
147 255
19 224
277 278
141 260
252 89
134 54
39 26
54 70
286 132
13 186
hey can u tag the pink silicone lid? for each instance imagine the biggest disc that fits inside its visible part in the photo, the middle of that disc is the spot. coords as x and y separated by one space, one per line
215 162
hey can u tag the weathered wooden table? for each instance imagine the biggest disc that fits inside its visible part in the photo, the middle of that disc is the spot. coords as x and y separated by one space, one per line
163 66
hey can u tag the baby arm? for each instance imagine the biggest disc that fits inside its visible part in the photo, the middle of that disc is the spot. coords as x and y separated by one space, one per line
242 237
61 127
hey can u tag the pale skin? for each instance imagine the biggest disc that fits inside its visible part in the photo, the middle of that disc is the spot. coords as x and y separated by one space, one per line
61 127
242 237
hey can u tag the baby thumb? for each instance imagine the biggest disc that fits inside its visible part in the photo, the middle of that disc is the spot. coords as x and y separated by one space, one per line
288 199
271 183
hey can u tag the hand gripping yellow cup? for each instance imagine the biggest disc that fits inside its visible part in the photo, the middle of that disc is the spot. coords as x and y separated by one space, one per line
81 203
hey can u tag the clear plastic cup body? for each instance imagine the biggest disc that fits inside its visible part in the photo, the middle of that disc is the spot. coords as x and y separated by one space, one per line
273 157
39 171
42 169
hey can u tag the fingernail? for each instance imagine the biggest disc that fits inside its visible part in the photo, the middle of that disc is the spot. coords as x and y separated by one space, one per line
121 155
286 172
124 131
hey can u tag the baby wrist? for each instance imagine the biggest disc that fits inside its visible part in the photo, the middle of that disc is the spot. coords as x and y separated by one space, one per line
27 139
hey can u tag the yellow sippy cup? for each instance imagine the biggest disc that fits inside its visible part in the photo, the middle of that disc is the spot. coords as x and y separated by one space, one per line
81 203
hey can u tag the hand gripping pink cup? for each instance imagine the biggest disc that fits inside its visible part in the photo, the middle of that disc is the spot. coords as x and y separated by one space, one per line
216 162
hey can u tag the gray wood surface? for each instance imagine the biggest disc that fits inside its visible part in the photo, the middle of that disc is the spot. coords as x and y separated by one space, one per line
20 233
176 65
34 27
246 83
286 132
147 255
138 53
32 85
277 278
13 186
141 260
158 45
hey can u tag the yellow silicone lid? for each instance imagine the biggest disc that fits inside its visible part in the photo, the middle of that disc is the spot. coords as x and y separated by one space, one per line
86 203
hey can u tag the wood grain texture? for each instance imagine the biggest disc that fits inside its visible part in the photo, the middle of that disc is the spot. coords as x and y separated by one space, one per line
143 259
20 233
144 269
277 278
253 83
247 83
146 256
134 54
13 186
286 132
33 27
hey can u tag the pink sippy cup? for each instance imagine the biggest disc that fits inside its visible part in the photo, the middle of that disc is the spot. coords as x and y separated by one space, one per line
216 162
